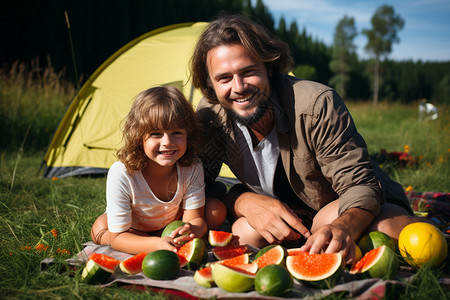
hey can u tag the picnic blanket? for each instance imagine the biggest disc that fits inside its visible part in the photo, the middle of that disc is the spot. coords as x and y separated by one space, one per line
432 205
354 287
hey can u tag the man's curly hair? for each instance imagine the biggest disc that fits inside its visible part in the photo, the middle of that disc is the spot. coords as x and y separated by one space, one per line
238 29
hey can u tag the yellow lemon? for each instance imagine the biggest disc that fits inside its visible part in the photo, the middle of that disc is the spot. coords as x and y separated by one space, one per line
421 242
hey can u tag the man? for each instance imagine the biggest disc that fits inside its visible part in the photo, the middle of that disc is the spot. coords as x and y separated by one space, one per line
305 170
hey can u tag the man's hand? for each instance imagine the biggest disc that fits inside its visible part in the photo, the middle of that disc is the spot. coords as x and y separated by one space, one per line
271 218
340 235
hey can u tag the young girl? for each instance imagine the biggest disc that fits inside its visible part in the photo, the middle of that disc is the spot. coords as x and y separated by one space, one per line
158 178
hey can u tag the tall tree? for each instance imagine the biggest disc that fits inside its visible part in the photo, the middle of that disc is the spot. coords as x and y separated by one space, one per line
343 49
385 25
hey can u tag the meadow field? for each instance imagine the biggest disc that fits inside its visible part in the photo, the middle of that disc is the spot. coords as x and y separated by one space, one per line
42 218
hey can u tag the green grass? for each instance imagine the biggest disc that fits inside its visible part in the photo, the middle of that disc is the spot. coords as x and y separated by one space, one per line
391 126
30 206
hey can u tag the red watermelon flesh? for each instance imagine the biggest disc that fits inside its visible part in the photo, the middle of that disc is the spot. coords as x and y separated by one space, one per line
274 256
105 261
294 251
366 261
219 238
316 270
192 254
221 253
380 262
133 265
203 277
205 273
250 269
237 260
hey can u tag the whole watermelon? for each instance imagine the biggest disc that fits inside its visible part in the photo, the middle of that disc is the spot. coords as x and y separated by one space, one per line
161 265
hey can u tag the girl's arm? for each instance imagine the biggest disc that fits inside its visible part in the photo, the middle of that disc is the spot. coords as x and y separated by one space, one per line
196 218
134 243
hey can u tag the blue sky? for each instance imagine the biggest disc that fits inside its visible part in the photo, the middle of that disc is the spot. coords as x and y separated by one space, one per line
425 35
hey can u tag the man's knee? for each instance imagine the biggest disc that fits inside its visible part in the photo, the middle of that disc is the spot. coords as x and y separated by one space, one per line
246 234
392 219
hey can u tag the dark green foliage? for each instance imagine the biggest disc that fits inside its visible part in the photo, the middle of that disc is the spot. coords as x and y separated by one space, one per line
385 25
99 28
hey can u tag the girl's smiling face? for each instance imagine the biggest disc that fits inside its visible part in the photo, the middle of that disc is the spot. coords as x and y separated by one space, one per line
165 147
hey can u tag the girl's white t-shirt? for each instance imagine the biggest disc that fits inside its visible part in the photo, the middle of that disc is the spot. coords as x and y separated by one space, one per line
132 204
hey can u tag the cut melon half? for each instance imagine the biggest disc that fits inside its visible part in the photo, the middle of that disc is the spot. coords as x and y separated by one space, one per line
99 268
380 262
192 254
221 253
237 260
204 278
274 256
316 270
133 265
232 280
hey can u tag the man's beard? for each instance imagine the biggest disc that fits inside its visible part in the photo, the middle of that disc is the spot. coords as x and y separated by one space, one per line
251 119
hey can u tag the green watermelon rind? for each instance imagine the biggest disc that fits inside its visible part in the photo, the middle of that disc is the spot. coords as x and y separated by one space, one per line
325 281
198 255
202 280
171 227
95 273
385 266
230 280
374 240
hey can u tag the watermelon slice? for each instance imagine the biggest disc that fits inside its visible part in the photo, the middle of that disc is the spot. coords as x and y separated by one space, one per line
193 254
380 262
219 238
203 277
133 265
221 253
274 256
251 268
316 270
294 251
99 268
232 280
237 260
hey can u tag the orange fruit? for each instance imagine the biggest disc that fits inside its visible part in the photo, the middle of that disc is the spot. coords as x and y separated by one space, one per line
422 242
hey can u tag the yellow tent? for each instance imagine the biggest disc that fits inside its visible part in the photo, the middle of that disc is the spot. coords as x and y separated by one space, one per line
89 134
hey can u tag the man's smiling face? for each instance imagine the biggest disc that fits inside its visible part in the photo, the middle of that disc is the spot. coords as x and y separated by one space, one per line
240 82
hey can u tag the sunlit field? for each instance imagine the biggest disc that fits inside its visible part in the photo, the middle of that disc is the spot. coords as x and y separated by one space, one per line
42 218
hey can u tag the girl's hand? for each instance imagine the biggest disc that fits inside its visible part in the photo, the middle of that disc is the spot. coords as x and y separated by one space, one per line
182 235
167 243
